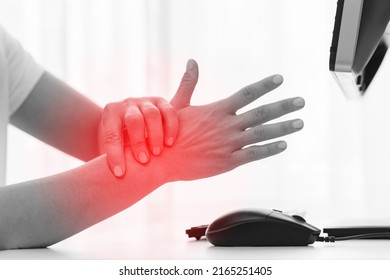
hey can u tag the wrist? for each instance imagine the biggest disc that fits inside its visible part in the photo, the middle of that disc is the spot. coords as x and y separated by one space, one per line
161 169
151 175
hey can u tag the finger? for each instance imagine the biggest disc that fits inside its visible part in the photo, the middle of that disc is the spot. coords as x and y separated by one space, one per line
135 125
187 85
269 112
266 132
154 127
253 153
113 140
252 92
170 121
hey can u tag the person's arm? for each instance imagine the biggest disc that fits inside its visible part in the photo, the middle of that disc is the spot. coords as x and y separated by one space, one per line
42 212
212 140
63 118
47 108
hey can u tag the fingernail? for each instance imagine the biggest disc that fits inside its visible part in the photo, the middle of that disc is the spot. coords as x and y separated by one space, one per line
299 102
170 141
297 124
118 171
282 145
277 79
142 157
190 65
156 151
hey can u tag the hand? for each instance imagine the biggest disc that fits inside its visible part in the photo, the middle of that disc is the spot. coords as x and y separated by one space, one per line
145 124
213 139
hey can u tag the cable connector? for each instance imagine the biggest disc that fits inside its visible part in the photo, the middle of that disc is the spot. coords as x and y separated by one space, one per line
328 239
197 232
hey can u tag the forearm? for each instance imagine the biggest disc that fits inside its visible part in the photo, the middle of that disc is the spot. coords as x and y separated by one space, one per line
42 212
62 117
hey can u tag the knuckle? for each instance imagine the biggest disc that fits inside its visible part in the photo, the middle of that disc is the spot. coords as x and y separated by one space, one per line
130 100
170 118
250 154
231 160
112 138
269 150
151 112
187 78
131 117
160 100
165 107
136 145
247 93
286 106
260 132
234 161
261 113
108 108
169 110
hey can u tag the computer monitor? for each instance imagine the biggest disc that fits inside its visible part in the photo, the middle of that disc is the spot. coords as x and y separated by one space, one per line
359 44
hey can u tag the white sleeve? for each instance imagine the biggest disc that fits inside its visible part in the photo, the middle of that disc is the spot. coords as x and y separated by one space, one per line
23 71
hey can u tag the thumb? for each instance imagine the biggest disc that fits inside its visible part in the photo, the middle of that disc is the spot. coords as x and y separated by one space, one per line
187 85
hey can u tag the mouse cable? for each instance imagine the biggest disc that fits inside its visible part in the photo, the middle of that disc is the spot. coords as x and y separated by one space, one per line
354 237
325 239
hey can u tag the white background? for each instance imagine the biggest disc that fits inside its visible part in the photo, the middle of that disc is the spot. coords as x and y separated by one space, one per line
335 169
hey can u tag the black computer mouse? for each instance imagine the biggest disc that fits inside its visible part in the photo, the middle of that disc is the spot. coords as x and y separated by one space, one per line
261 228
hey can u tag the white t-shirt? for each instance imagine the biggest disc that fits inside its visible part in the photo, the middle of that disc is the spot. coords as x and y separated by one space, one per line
18 75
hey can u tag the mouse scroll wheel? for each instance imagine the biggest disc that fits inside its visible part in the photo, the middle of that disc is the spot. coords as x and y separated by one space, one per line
299 218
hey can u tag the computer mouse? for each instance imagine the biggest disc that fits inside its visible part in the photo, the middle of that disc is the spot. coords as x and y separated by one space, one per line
261 227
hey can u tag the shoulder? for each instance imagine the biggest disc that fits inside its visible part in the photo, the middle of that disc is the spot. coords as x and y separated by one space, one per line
8 44
5 37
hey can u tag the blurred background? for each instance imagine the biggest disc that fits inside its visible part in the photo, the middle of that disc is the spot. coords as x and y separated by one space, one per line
335 169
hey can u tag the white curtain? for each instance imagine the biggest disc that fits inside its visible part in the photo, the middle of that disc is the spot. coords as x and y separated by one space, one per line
336 167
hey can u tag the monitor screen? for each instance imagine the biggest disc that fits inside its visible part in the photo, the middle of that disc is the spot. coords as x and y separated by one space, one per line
359 43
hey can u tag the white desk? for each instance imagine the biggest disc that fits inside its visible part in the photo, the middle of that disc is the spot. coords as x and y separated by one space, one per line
164 241
350 250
